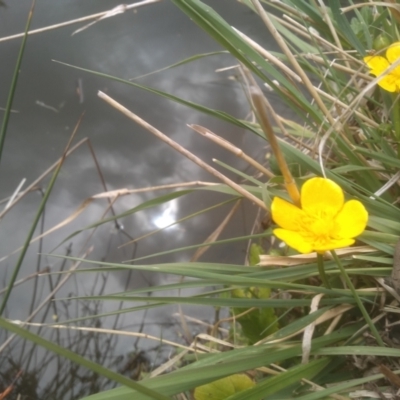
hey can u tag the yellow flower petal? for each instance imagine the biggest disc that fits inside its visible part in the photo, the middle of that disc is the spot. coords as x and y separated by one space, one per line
390 83
294 239
393 52
352 220
332 245
323 223
286 214
377 64
320 195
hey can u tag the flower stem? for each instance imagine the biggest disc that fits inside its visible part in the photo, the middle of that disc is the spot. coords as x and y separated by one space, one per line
364 312
321 270
396 120
257 98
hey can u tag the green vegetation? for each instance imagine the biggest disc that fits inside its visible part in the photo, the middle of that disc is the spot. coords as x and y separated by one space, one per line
315 326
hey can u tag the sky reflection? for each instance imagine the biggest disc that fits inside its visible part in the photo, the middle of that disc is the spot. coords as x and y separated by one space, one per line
48 105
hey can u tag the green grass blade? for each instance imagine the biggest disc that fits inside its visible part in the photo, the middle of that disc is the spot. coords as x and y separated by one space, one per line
70 355
143 206
222 364
208 111
182 62
14 81
279 382
340 388
197 246
224 34
34 224
359 351
344 27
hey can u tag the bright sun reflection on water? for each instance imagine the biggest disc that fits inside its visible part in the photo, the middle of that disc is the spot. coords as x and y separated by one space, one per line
167 216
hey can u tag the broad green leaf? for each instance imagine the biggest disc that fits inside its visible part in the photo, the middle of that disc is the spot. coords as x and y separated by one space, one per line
256 323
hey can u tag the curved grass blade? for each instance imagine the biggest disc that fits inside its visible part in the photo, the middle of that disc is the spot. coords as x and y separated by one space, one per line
275 384
143 206
345 28
182 62
222 364
208 111
14 81
207 271
197 246
70 355
36 220
211 22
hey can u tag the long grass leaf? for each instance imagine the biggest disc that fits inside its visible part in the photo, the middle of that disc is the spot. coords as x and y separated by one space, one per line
70 355
273 385
14 81
35 222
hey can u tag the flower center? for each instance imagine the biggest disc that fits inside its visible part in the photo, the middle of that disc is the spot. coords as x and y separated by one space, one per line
318 227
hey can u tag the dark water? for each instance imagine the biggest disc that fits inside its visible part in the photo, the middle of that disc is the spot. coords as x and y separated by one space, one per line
48 107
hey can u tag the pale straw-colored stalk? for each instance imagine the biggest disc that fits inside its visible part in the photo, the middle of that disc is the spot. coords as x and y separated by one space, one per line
181 150
79 20
230 147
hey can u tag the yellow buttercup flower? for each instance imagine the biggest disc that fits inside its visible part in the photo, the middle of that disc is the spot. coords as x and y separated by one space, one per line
379 64
324 221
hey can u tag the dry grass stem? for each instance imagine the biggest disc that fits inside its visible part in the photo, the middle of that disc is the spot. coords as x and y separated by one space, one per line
300 259
182 150
15 194
116 332
78 20
328 21
178 221
230 319
259 103
125 192
230 147
53 229
202 323
209 338
291 10
170 363
270 57
309 330
345 106
44 271
328 46
349 70
348 113
292 59
48 298
333 324
34 184
369 4
217 232
328 315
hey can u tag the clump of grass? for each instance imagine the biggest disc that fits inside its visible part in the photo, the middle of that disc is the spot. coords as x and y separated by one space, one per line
329 330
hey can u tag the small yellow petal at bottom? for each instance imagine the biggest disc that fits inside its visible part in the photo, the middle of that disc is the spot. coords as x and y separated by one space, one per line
333 244
293 239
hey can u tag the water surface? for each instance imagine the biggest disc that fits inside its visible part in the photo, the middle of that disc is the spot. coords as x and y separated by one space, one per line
48 107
